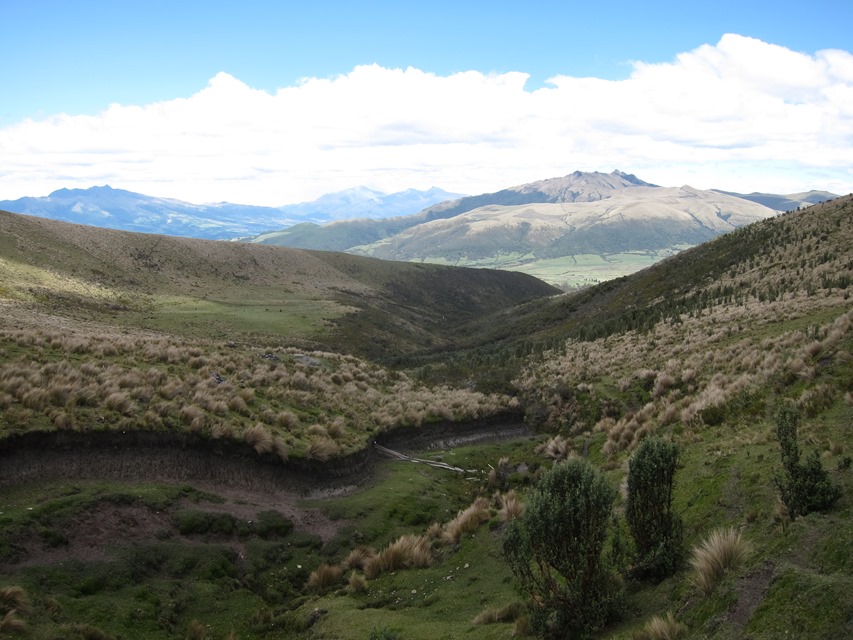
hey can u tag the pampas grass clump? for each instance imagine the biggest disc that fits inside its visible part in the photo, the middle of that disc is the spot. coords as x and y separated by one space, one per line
508 613
466 521
511 507
723 550
356 583
324 576
14 598
661 629
259 438
322 448
358 557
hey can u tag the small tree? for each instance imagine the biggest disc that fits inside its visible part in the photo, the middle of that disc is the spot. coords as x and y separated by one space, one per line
803 487
556 550
656 529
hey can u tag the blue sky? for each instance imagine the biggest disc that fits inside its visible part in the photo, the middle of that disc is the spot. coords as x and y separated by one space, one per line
162 61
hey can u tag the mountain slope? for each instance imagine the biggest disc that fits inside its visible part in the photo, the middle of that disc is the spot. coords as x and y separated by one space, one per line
576 187
362 202
128 211
184 285
790 202
796 262
632 219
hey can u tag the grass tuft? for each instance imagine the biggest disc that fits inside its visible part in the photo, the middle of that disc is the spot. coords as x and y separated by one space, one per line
658 628
258 437
725 549
324 577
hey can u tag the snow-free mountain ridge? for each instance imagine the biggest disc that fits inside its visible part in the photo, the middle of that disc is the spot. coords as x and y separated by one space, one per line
129 211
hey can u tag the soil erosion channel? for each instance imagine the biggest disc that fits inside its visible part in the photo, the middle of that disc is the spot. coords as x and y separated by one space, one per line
248 483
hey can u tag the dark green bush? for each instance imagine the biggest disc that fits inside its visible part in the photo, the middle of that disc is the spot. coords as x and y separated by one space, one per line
556 551
803 487
190 522
271 524
655 528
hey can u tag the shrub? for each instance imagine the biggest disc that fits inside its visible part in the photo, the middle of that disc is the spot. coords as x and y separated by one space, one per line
656 529
803 487
556 550
272 524
723 550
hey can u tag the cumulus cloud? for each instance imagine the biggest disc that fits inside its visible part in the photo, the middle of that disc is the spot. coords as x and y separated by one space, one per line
741 115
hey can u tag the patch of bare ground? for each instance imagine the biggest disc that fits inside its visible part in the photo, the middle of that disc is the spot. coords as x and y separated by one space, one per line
101 531
245 504
751 591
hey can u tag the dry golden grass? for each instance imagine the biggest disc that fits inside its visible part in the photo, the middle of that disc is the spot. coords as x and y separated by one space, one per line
659 628
322 448
507 613
12 624
14 597
324 577
510 507
466 521
725 549
557 449
196 630
358 557
259 438
356 583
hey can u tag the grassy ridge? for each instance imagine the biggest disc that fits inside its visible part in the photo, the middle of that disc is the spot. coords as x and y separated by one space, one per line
278 295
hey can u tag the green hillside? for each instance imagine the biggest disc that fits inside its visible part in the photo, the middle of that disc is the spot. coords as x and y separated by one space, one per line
174 463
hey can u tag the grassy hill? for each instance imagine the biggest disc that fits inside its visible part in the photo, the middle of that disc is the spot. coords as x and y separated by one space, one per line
702 349
227 290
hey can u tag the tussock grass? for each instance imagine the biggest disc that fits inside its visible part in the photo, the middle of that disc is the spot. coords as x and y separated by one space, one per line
14 597
356 583
358 557
659 628
466 521
508 613
11 623
196 630
511 507
259 438
324 577
724 550
322 448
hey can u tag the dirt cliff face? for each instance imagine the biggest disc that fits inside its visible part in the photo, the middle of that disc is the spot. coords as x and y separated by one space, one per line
179 457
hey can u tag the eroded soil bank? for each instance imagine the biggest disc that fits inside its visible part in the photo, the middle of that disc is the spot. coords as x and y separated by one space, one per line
181 457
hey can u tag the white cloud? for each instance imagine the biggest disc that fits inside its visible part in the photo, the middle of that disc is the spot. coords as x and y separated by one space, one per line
741 115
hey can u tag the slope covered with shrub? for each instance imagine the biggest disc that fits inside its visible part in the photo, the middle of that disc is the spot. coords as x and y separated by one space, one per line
706 351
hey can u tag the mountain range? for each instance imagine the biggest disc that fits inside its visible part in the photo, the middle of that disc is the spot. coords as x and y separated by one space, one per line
570 231
129 211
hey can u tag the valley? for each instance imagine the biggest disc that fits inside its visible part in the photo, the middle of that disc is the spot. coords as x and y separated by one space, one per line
187 431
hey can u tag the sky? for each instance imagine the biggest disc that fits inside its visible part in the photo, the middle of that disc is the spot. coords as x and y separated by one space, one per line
271 103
